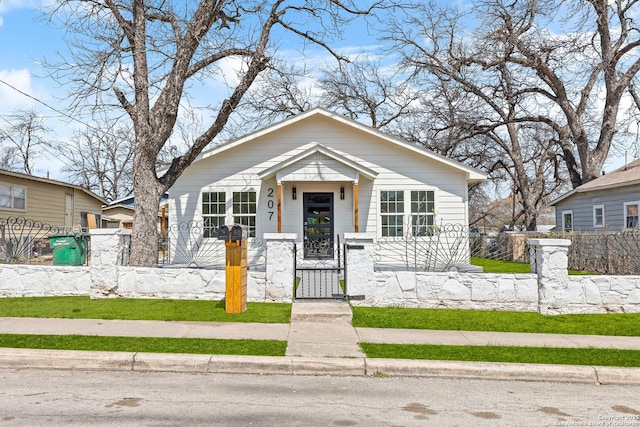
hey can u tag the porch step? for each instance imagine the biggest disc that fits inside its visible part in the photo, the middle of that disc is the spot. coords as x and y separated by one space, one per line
314 311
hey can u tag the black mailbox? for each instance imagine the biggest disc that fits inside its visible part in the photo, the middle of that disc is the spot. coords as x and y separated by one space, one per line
238 232
223 232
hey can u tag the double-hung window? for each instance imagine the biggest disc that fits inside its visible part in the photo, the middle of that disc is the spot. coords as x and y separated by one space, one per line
598 216
631 214
213 212
422 212
567 220
392 213
244 210
13 197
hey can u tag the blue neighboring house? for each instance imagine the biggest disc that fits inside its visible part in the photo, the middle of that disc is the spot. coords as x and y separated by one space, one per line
610 202
119 213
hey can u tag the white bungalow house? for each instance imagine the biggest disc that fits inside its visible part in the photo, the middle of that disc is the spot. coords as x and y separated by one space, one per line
316 176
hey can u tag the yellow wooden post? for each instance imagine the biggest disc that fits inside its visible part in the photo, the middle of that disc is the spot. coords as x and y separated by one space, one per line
236 276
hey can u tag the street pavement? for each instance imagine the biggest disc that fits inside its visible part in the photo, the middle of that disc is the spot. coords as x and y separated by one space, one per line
320 341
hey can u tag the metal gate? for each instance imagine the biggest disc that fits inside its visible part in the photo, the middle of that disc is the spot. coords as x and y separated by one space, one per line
320 278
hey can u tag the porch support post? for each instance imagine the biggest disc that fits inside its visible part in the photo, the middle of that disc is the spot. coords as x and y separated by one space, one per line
279 195
355 207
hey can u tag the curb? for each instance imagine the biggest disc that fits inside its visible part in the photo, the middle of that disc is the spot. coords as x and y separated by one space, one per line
15 358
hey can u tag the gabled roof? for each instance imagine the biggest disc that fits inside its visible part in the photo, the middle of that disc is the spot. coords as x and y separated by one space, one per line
130 201
317 149
50 181
119 205
473 174
621 177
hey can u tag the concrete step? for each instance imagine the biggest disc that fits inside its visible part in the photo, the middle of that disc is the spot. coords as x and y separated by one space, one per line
312 311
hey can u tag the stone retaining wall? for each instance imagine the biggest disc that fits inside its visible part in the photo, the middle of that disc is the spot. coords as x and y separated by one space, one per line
548 289
18 280
514 292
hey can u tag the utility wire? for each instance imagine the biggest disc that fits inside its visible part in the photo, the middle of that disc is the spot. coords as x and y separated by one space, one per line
50 107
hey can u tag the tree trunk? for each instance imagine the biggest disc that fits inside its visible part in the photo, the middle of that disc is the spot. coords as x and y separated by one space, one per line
148 193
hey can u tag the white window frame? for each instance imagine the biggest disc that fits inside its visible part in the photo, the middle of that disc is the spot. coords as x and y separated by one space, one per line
423 220
625 216
12 190
216 219
411 218
245 212
564 226
595 216
395 214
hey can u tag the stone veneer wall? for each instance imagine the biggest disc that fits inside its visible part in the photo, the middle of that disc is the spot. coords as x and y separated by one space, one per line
125 282
548 289
40 280
603 294
514 292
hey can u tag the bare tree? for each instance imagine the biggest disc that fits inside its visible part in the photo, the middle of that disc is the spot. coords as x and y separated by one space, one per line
572 82
366 90
148 53
100 160
23 141
282 91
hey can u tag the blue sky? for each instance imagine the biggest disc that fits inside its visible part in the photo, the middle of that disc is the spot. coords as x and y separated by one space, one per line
27 40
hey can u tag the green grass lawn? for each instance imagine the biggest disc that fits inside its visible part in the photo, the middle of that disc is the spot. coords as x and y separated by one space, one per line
146 344
627 324
544 355
141 309
499 266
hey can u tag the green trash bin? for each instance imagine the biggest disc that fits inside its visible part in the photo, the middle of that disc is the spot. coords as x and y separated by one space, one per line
68 249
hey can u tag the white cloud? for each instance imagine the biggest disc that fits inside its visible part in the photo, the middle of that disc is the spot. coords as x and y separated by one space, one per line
19 80
8 5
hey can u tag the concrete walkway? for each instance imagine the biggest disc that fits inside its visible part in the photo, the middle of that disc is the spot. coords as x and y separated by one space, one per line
320 340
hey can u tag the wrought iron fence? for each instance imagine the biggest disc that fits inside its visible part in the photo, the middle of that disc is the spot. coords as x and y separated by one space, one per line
444 247
319 270
191 244
26 241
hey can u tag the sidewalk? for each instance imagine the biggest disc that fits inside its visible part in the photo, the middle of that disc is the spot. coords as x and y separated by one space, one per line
320 341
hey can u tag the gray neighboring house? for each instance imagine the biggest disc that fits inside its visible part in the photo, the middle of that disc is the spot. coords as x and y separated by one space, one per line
610 202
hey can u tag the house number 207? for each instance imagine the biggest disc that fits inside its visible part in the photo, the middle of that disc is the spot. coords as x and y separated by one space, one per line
270 202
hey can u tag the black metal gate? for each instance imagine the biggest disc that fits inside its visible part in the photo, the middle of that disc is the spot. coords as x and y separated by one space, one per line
320 279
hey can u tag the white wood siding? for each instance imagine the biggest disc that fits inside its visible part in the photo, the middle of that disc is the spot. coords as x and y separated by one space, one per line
398 168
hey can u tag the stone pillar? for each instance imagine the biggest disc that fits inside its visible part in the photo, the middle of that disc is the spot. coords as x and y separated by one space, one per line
109 250
109 246
280 269
359 264
549 261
